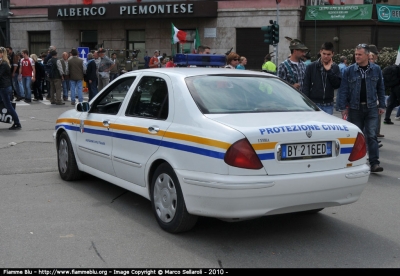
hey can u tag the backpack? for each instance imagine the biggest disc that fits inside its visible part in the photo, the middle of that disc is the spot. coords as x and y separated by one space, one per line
49 69
391 76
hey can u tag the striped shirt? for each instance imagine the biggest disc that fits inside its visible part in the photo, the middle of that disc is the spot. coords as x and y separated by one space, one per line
297 74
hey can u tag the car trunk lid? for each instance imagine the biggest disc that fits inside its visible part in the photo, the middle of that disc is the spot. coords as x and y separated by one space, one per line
295 142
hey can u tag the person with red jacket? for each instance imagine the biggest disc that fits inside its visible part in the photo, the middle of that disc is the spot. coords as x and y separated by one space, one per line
154 61
170 62
27 73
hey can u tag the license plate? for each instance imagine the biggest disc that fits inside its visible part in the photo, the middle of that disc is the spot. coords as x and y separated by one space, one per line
307 150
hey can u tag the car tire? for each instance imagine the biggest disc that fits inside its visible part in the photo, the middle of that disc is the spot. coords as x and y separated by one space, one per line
168 203
67 166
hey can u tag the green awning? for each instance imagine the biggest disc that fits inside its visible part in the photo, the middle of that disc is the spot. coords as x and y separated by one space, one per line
339 12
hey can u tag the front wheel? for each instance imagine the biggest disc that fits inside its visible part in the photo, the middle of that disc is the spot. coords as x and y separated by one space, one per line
167 201
67 166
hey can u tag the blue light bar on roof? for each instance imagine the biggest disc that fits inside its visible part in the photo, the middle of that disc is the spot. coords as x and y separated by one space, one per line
200 60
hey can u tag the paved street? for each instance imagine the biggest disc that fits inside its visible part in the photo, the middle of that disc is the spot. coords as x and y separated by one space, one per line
47 222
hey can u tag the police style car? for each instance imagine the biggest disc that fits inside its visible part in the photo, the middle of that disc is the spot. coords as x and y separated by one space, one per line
229 144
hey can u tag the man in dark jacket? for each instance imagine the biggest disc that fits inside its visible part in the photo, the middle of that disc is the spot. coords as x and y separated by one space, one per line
91 76
47 80
55 81
322 78
392 102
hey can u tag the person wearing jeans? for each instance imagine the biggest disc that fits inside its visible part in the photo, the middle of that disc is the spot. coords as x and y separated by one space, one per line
76 88
26 84
62 65
76 70
397 114
27 74
362 86
392 102
18 87
66 87
14 58
327 108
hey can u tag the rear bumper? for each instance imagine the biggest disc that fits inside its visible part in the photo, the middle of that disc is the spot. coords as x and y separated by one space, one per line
244 197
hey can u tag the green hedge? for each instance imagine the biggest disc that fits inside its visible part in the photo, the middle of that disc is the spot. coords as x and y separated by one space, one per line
387 56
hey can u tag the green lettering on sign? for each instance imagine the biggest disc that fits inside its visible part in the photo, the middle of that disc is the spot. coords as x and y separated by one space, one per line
339 12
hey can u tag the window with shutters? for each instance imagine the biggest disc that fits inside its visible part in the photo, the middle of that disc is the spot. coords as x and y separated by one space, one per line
39 42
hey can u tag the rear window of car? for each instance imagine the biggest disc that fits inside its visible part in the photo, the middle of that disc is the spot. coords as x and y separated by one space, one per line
245 94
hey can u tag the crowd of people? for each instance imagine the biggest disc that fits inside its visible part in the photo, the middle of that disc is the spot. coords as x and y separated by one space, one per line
360 95
56 76
360 87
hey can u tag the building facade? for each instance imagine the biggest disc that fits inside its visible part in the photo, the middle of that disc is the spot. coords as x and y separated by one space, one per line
351 25
125 26
145 25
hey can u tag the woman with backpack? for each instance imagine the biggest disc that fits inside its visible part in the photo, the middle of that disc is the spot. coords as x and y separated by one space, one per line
37 85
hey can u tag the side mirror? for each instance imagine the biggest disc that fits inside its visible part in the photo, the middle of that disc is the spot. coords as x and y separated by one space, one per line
82 107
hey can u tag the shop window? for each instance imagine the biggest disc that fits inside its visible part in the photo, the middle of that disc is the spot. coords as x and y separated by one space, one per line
89 39
39 42
4 4
136 45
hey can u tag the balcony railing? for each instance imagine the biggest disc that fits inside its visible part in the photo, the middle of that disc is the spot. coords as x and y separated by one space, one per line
315 2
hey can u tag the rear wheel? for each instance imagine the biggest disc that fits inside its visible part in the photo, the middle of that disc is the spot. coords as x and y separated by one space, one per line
167 201
67 166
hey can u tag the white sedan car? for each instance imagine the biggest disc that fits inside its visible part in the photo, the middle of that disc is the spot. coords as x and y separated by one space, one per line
229 144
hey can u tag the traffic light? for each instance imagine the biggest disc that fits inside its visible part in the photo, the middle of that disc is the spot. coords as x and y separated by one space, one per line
275 33
268 34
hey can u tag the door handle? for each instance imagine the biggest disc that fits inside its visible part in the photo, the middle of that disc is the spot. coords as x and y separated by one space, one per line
153 129
106 123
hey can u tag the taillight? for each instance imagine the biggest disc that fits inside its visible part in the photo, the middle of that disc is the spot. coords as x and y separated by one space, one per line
359 148
242 155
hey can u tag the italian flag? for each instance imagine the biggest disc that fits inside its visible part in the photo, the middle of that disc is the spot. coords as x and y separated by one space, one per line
196 42
177 35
